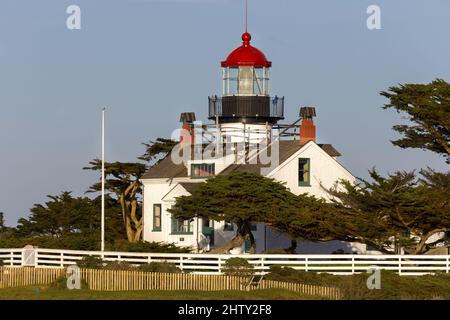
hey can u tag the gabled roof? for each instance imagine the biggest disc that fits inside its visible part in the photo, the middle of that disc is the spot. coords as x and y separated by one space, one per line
187 186
167 169
287 148
190 186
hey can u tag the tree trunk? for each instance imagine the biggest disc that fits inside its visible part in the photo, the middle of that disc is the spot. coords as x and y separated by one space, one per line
128 202
243 233
293 246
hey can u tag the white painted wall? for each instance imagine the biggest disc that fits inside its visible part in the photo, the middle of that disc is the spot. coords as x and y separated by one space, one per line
155 191
253 132
323 169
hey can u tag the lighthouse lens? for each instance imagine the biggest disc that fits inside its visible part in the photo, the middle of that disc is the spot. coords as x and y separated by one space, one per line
245 81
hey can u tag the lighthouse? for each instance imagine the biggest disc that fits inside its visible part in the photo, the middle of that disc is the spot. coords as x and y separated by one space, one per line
247 135
246 111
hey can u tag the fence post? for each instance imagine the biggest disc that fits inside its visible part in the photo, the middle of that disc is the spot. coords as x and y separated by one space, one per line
400 266
220 264
353 264
62 259
262 265
448 260
36 257
306 263
181 263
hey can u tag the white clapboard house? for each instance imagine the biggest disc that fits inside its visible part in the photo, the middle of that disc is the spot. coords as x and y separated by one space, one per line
245 123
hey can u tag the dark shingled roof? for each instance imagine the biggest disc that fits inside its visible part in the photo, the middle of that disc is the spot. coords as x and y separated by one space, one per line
328 148
167 169
287 149
190 186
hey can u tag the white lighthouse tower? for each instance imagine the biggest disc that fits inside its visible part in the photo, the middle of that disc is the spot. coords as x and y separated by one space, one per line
246 112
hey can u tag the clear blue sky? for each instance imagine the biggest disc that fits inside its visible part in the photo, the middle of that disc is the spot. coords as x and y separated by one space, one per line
149 60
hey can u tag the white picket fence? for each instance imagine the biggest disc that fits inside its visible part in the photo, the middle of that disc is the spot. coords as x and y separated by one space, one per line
213 263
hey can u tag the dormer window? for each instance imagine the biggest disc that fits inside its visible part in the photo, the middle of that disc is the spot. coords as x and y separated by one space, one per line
202 170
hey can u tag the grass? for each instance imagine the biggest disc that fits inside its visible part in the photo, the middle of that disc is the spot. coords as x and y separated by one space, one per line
393 286
49 293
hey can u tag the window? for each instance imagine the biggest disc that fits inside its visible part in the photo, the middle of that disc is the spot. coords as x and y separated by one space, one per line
228 226
180 226
202 170
304 172
157 217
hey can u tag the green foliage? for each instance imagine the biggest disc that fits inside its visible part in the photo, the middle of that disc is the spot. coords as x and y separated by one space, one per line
238 267
2 223
244 198
61 284
158 148
397 206
118 265
78 241
71 222
164 267
143 246
235 198
276 251
90 262
354 287
427 107
122 180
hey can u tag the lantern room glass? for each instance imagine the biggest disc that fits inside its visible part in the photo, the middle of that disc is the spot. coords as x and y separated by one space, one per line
246 81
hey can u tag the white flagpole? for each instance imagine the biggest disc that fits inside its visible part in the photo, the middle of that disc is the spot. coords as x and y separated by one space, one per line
103 179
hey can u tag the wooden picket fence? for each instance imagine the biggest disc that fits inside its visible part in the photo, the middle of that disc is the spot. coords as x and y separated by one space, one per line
28 276
119 280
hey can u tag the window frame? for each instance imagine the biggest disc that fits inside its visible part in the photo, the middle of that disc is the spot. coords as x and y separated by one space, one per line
308 163
176 222
157 229
213 165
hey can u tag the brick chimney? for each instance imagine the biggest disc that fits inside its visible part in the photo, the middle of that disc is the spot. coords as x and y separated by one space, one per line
307 126
187 135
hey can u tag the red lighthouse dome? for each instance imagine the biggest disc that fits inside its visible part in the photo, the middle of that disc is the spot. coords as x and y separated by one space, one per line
246 55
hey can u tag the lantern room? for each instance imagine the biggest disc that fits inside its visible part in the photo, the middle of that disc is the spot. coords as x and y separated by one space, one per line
246 71
246 89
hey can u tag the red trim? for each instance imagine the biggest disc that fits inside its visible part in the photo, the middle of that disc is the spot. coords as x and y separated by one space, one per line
246 55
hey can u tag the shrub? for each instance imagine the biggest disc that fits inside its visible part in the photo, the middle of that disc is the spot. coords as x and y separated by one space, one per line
118 265
160 267
143 246
75 241
61 283
1 263
90 262
277 251
238 267
354 287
